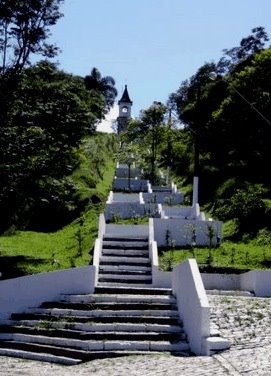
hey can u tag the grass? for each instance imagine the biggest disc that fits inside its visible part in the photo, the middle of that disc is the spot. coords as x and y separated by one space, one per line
229 256
29 252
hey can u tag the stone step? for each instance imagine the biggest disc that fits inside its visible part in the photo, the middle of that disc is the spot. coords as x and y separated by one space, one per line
114 314
111 306
143 238
134 291
23 351
115 244
124 271
103 280
100 345
128 277
94 335
125 252
125 268
107 260
120 283
56 315
91 326
89 298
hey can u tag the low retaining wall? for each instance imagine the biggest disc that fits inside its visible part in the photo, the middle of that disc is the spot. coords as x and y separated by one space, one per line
184 231
127 230
216 281
192 303
19 294
163 198
257 281
131 185
125 210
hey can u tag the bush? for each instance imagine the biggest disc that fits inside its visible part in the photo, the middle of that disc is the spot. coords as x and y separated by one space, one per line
246 207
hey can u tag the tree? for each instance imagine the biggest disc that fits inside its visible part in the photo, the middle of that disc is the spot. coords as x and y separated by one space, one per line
51 113
148 131
103 85
224 118
24 29
235 58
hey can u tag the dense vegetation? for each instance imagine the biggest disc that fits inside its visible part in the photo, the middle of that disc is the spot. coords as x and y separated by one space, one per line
55 170
224 137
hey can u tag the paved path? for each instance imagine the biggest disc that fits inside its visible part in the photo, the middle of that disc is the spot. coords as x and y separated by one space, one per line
246 321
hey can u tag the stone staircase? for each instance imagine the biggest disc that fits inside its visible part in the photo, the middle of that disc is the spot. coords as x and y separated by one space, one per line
124 316
125 261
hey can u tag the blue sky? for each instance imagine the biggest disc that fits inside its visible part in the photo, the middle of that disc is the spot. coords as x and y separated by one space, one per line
152 45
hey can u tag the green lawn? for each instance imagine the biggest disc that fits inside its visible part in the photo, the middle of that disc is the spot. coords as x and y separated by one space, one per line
27 252
239 256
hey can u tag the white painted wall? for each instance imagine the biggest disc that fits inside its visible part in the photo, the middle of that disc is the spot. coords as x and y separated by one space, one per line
216 281
192 303
101 230
127 230
19 294
127 210
181 231
123 172
257 281
163 198
136 185
125 197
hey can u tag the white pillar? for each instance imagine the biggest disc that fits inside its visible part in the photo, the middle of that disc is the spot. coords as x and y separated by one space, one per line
195 199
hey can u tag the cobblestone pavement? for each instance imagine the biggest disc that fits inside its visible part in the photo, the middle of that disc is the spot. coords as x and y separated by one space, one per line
246 321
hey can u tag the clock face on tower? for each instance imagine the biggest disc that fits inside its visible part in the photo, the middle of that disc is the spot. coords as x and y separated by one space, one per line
124 109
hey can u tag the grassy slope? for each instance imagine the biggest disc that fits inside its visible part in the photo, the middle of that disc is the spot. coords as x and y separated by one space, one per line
239 256
27 252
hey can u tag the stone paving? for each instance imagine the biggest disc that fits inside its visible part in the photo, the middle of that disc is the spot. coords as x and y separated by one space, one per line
246 321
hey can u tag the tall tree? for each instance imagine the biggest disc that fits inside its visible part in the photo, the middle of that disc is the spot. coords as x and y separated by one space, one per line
51 113
24 29
103 85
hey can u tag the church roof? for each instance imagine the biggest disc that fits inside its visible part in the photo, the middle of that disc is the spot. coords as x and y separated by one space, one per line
125 96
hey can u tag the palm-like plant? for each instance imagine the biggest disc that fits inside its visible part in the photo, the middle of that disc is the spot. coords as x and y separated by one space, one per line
104 85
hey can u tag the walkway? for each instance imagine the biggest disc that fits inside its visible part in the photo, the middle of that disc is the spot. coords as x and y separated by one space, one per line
245 320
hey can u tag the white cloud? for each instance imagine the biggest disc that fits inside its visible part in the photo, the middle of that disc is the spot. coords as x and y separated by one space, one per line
106 124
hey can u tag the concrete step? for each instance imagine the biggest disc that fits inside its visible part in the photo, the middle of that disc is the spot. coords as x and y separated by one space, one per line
20 350
111 306
51 316
91 335
120 238
44 353
114 314
100 345
129 298
127 277
91 326
125 268
124 271
123 284
115 244
107 260
125 252
133 291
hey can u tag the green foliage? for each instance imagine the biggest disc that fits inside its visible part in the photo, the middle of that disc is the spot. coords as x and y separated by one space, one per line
148 133
246 207
28 252
24 29
227 119
229 257
103 85
50 114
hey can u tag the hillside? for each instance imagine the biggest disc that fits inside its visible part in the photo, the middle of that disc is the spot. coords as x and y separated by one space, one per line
28 252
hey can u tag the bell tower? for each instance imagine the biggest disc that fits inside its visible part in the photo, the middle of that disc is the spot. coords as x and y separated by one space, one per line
125 105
